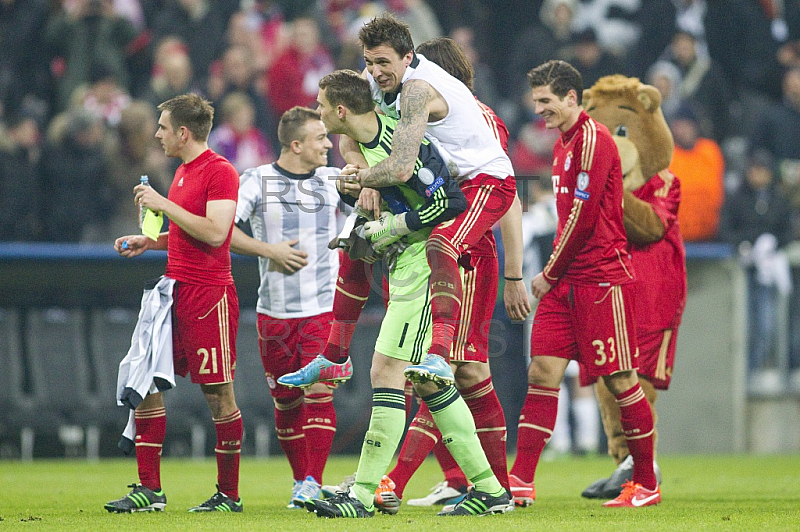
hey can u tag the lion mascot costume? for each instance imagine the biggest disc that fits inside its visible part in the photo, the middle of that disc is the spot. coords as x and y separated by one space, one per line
631 110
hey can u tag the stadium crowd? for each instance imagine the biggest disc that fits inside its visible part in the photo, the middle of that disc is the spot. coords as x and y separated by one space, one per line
80 81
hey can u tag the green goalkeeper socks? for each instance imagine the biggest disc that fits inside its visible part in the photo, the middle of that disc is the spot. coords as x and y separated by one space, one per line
380 442
457 426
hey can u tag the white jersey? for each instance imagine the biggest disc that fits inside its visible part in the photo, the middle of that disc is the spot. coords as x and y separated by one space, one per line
285 206
462 133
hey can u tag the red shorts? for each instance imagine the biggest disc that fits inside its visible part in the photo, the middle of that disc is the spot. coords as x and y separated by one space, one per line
287 345
591 324
477 304
205 319
488 199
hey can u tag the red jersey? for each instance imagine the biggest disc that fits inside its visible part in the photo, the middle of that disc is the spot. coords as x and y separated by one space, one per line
207 178
486 246
661 266
495 123
591 244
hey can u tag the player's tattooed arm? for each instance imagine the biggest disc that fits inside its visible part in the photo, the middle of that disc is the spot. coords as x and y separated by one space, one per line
399 166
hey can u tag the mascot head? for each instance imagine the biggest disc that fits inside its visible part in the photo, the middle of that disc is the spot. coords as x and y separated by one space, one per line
631 110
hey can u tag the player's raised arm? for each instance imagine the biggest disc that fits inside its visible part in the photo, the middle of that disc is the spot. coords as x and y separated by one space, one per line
415 99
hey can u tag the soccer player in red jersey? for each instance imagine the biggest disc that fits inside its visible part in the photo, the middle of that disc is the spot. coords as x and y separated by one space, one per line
657 252
585 290
201 205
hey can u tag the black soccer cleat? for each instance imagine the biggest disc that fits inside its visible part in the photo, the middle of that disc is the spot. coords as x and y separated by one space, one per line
219 502
340 505
140 499
481 503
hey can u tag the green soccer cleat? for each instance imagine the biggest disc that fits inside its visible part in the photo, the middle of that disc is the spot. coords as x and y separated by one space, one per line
480 503
219 502
341 505
140 499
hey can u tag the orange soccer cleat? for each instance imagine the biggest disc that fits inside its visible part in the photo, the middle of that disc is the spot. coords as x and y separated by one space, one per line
635 495
386 501
524 493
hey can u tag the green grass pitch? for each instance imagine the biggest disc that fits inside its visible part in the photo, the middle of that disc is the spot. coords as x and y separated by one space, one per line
699 493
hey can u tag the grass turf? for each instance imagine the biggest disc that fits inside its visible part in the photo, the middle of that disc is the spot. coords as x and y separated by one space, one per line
699 493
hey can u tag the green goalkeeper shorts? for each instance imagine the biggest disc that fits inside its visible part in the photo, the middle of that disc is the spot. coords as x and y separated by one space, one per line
406 329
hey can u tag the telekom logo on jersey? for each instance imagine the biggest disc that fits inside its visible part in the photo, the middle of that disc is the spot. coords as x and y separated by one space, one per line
557 189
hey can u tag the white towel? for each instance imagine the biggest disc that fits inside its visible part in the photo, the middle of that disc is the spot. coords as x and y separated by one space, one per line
148 366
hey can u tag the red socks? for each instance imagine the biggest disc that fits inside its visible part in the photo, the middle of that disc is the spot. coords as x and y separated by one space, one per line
536 422
352 290
446 294
637 422
490 423
151 425
228 451
289 420
320 428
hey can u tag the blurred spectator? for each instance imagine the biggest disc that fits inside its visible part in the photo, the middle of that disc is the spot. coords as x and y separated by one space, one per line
485 88
454 13
667 78
19 179
539 223
419 16
777 129
88 32
265 18
701 81
23 66
757 219
103 96
236 73
656 22
337 17
421 19
294 76
198 23
551 38
136 153
76 191
744 37
700 164
591 59
172 76
131 10
613 20
237 138
243 30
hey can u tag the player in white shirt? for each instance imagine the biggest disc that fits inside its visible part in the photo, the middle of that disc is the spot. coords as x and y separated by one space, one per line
292 208
425 98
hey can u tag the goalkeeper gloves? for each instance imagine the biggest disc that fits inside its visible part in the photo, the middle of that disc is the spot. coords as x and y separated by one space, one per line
386 230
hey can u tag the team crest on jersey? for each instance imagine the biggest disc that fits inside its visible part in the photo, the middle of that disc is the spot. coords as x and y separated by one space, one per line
568 161
583 181
426 176
580 189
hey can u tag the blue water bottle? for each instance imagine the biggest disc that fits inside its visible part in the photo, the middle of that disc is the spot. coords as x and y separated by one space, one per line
144 180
